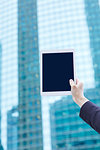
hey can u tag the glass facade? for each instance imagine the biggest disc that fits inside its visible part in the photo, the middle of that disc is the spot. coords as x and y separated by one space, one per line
93 22
26 27
0 88
9 72
29 99
64 24
1 148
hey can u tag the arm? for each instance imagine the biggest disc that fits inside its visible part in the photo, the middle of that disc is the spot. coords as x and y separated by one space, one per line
89 112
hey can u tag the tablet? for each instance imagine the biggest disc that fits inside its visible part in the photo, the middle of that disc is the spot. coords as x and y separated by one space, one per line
56 68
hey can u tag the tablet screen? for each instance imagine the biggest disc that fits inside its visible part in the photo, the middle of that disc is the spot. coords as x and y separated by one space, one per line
57 69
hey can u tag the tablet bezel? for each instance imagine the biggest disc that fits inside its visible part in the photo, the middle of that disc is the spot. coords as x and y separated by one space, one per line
55 93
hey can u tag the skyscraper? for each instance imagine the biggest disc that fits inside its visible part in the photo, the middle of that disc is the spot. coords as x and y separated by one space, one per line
0 89
30 118
1 148
12 122
92 10
8 38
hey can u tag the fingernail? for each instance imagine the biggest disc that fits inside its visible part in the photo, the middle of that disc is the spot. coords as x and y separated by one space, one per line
70 80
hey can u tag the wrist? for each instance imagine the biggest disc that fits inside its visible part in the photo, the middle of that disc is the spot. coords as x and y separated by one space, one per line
81 101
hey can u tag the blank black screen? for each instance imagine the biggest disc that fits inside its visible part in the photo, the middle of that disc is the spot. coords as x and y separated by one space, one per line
57 68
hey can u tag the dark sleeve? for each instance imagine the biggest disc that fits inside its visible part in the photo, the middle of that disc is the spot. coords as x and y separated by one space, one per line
90 113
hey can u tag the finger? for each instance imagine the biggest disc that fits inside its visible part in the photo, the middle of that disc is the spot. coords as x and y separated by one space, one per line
80 85
77 81
71 83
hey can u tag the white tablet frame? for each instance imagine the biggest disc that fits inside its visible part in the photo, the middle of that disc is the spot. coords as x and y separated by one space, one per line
56 93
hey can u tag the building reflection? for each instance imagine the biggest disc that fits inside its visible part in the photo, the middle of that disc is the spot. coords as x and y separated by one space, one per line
12 127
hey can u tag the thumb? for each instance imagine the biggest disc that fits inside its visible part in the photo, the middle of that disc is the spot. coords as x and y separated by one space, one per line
71 82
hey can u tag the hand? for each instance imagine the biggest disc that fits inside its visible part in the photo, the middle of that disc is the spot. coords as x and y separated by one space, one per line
77 92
